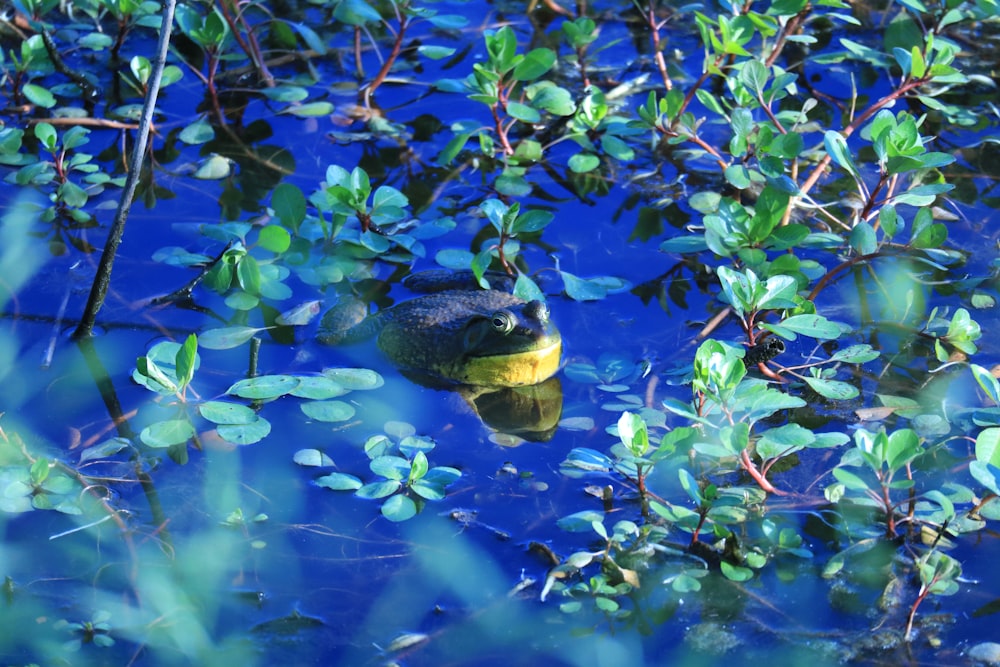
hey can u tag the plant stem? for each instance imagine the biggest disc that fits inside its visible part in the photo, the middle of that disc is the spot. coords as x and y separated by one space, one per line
752 470
102 279
661 64
397 46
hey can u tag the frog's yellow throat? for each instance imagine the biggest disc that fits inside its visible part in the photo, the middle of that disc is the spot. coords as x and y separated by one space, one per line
513 370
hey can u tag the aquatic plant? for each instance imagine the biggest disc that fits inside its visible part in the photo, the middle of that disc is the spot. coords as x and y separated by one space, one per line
766 188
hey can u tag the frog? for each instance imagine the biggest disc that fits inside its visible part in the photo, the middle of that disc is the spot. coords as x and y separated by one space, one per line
457 332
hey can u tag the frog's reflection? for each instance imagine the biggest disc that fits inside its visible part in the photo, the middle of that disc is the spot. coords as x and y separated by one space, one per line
531 412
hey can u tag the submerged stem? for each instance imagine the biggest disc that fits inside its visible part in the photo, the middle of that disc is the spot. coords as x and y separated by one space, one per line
102 279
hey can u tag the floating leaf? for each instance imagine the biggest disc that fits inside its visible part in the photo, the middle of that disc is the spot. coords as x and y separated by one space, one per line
167 433
328 411
377 490
355 378
264 387
317 388
221 412
833 389
310 109
435 52
814 326
313 458
226 338
735 572
856 354
215 168
245 434
580 522
104 449
399 508
197 133
300 314
581 289
338 481
391 467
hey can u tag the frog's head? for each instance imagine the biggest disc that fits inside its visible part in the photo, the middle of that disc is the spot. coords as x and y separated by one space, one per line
512 347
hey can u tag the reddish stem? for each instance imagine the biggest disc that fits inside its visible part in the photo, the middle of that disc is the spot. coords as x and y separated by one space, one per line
752 470
397 46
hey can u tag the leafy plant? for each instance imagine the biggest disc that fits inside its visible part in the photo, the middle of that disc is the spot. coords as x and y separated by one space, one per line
407 479
96 631
168 369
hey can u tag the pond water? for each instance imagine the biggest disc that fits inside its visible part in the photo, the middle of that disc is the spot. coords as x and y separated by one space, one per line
221 519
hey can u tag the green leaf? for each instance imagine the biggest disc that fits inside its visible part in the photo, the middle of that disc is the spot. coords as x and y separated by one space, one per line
399 508
309 109
987 382
580 522
863 239
328 411
836 148
580 289
148 374
105 449
832 389
435 52
690 485
167 433
849 479
274 238
553 99
317 388
754 75
535 63
264 387
354 378
38 95
779 292
902 447
289 204
376 490
186 360
355 12
314 458
813 326
523 112
988 446
309 36
222 412
338 481
986 474
197 133
735 572
418 467
214 168
581 163
245 434
783 440
227 338
856 354
390 467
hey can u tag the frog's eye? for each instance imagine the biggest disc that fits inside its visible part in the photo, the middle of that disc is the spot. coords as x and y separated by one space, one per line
503 321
